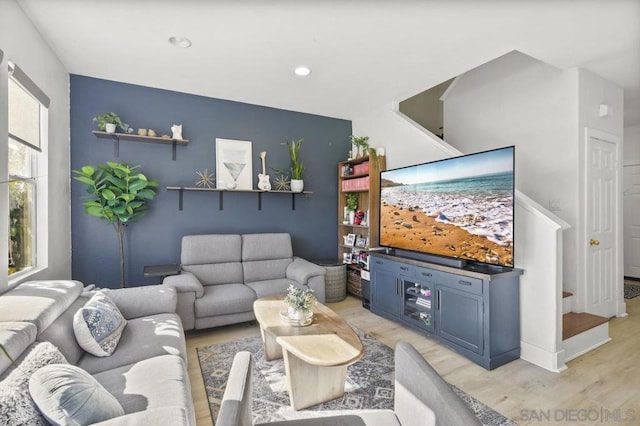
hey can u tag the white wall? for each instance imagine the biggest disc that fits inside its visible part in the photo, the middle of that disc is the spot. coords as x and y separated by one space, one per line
518 100
632 145
23 45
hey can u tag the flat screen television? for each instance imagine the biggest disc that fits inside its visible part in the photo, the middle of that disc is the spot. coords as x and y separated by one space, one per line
460 208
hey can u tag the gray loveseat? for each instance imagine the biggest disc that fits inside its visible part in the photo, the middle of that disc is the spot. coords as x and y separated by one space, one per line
151 343
223 274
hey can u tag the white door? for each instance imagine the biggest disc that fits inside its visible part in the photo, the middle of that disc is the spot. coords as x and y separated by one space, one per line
601 202
632 221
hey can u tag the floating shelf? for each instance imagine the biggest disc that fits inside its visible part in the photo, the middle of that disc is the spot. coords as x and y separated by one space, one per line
116 137
221 193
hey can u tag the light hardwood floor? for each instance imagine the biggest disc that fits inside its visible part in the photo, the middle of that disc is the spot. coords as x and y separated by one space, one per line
604 382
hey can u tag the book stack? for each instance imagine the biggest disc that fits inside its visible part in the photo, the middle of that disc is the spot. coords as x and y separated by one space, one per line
358 184
361 169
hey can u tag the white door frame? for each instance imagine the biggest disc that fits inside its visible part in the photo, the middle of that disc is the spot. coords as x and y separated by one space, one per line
583 237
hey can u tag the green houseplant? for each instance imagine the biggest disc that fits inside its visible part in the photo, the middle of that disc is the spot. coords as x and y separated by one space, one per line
109 121
296 166
299 303
361 143
118 194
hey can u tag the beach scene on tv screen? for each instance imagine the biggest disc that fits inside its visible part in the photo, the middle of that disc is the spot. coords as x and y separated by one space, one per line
460 207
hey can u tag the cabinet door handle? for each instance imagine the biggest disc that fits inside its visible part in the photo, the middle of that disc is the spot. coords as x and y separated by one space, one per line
397 285
404 268
426 274
378 262
467 283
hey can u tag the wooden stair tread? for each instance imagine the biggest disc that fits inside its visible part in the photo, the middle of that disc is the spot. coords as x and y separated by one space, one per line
575 323
566 294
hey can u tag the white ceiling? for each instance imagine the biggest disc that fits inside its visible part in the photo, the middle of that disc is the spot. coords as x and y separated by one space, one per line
363 53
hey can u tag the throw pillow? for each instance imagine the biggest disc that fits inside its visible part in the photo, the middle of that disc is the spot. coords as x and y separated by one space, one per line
68 395
98 325
16 405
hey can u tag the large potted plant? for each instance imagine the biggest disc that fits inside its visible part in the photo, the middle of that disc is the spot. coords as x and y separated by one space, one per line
296 166
118 194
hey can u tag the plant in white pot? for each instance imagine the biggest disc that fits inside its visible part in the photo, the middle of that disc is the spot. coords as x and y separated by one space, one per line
300 301
296 166
109 122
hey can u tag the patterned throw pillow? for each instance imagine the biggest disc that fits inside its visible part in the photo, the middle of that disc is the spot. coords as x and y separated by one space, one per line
98 325
16 405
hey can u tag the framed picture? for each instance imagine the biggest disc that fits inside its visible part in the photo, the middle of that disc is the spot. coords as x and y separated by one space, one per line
350 240
346 258
234 168
361 242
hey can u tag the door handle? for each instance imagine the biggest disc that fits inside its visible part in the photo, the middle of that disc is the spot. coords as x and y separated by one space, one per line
593 242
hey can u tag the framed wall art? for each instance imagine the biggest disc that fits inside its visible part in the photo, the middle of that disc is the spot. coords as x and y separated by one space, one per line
234 168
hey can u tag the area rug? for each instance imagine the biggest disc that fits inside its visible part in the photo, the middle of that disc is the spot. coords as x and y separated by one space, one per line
631 290
370 383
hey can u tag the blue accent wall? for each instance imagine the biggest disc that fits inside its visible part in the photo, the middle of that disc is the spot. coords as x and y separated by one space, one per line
155 238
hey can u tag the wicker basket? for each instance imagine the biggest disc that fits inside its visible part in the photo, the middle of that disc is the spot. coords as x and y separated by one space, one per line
335 282
354 283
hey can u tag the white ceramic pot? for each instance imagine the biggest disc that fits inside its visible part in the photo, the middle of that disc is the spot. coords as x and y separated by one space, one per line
299 316
297 185
352 217
109 127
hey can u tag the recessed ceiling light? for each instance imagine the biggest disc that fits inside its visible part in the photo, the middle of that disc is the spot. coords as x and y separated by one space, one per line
302 71
179 41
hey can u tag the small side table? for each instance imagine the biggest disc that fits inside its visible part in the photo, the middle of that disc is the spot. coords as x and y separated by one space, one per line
161 270
335 280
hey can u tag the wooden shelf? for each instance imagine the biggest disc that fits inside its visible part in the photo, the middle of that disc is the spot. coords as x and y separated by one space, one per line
354 226
354 176
221 193
117 137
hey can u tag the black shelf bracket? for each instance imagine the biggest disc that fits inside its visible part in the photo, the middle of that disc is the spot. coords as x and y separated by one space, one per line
116 145
220 200
259 200
174 144
180 195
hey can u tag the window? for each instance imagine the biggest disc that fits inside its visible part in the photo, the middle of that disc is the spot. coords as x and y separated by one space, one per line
25 118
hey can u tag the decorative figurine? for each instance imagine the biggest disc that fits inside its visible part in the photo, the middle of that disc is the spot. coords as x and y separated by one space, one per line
263 178
177 131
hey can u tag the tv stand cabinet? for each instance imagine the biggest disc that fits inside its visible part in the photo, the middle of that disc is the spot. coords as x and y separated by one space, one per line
474 310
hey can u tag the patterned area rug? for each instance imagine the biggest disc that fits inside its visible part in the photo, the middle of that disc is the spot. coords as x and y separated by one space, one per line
370 383
631 290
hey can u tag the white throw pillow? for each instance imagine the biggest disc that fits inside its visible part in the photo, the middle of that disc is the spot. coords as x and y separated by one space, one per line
68 395
98 325
16 406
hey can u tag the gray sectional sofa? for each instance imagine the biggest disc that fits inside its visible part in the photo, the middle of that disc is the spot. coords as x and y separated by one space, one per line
223 274
151 343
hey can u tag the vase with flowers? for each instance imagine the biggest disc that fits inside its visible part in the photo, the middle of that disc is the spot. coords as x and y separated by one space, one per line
299 301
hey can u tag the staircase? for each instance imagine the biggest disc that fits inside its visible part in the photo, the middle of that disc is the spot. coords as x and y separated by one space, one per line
581 332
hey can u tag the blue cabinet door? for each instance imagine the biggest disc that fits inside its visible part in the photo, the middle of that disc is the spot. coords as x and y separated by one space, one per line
386 297
459 318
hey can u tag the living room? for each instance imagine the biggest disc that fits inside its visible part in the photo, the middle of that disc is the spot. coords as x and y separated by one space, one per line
80 247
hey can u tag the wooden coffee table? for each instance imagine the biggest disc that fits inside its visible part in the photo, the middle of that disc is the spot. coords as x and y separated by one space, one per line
316 357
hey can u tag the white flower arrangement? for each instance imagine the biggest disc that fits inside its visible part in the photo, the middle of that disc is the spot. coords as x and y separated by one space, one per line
300 299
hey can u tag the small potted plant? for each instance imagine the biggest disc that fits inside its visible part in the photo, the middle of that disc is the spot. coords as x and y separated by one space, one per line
296 166
299 303
352 206
361 143
109 121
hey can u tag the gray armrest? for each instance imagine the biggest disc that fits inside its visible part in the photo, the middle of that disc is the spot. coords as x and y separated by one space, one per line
184 283
135 302
235 408
417 382
302 271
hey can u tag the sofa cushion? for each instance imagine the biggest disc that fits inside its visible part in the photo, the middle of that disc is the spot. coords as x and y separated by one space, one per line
224 299
210 248
151 383
66 394
266 246
259 270
270 287
98 325
15 337
217 273
60 332
16 405
38 302
142 338
174 416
